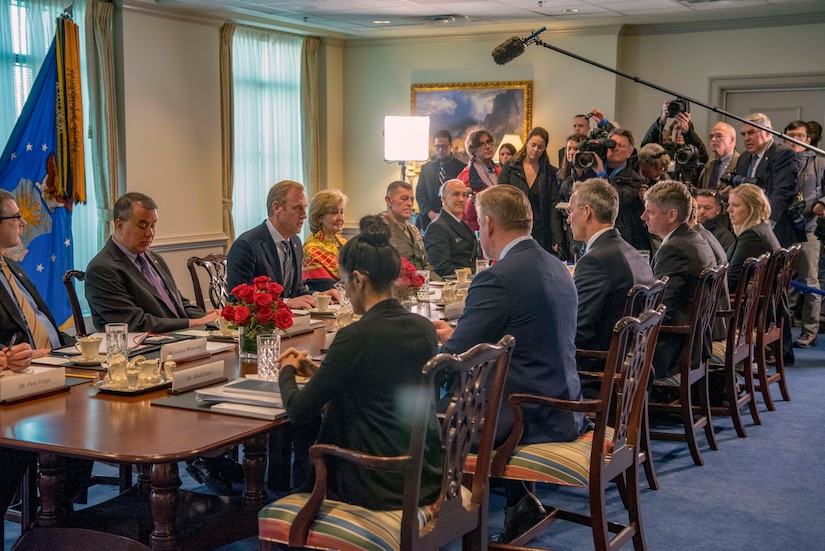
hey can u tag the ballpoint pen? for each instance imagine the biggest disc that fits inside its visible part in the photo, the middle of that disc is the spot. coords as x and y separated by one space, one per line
13 341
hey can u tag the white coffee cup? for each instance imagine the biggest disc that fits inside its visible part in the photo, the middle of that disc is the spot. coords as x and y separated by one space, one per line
89 347
322 302
462 274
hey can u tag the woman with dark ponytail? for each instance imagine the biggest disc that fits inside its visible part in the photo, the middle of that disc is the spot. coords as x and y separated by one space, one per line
368 378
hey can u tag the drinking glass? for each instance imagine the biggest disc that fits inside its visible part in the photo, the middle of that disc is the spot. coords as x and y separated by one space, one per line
424 290
646 255
269 348
482 264
117 340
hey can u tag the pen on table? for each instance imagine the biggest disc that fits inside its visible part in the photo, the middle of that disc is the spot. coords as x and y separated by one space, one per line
81 376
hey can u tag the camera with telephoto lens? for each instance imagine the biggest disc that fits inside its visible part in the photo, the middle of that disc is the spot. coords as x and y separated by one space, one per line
733 179
596 144
676 106
687 156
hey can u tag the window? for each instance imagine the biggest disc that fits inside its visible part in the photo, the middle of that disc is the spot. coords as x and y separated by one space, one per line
266 69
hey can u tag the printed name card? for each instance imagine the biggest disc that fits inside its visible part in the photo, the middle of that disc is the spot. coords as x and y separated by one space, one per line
184 350
37 380
196 377
453 310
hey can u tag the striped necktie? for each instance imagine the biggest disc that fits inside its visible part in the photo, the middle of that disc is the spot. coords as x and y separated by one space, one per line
442 174
288 267
38 332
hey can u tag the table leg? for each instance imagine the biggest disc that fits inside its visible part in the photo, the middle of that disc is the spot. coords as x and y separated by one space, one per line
254 467
50 482
164 503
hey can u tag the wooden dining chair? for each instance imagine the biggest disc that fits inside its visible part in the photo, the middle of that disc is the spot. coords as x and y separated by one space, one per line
613 458
77 312
640 298
737 349
313 521
692 377
215 267
770 322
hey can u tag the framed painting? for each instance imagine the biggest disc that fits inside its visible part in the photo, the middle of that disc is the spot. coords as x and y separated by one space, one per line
501 108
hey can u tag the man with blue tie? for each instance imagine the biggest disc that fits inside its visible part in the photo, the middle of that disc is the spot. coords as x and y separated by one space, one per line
772 165
449 241
128 283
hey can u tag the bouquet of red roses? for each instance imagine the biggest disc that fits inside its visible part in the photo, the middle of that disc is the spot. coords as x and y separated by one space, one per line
259 308
409 282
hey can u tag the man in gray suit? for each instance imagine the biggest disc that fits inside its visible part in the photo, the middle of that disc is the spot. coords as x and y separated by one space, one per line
682 257
449 241
128 283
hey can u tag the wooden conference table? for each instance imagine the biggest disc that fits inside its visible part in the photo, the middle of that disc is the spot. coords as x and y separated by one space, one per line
85 424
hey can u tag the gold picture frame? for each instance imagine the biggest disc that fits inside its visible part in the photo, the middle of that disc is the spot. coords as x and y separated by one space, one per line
501 108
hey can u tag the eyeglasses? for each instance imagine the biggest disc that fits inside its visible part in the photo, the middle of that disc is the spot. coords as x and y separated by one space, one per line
798 135
441 146
17 216
485 142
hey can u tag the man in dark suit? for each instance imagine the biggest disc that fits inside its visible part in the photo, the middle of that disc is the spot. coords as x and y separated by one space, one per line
528 294
433 175
773 167
449 241
27 330
607 270
128 283
273 248
682 257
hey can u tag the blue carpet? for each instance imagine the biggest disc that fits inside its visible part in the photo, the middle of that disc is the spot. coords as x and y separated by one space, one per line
761 492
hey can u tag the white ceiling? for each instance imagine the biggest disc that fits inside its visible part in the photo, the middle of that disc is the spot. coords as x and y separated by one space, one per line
377 18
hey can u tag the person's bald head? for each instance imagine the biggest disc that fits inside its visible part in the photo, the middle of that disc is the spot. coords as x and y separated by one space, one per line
722 139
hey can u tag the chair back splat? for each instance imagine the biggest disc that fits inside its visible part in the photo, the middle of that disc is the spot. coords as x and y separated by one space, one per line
215 267
77 313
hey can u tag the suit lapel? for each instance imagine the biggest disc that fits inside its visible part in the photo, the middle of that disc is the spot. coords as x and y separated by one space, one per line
11 306
137 275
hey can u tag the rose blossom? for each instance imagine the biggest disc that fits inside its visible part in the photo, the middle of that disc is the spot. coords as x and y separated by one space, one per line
228 313
263 300
283 318
242 315
265 314
261 282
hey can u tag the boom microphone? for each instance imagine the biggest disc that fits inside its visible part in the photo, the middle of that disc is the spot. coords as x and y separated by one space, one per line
508 50
513 47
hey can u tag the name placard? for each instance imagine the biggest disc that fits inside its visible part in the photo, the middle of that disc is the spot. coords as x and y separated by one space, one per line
196 377
184 350
37 380
453 310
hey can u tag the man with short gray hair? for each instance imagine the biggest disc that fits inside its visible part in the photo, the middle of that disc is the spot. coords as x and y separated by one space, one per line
608 268
772 166
449 241
528 294
682 257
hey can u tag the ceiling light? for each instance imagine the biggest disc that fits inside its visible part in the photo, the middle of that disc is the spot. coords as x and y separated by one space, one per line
381 22
570 10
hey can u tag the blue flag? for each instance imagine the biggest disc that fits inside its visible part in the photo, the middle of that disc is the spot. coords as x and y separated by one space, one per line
39 167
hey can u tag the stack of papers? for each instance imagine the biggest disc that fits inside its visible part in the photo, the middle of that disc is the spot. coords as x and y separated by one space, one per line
246 397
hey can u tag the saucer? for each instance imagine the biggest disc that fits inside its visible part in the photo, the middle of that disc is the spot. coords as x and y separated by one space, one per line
233 334
87 363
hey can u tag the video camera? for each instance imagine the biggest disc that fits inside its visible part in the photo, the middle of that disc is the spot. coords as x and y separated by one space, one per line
597 144
676 106
733 179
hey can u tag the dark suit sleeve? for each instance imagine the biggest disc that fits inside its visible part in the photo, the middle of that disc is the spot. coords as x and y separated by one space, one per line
425 205
747 245
653 134
783 181
437 244
591 288
240 264
556 228
113 302
672 262
486 314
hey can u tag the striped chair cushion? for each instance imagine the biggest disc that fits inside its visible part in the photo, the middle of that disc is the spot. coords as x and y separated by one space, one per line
717 356
566 463
339 525
673 380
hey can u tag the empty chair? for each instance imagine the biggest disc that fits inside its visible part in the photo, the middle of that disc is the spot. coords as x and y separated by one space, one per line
770 320
311 520
77 313
215 267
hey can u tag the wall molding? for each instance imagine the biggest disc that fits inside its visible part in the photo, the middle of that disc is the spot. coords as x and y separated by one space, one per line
683 27
177 243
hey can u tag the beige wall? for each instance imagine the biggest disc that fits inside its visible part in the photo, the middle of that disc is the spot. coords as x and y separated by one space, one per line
172 101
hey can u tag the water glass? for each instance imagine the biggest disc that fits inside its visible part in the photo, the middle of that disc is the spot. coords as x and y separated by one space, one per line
646 255
117 340
482 264
269 348
424 290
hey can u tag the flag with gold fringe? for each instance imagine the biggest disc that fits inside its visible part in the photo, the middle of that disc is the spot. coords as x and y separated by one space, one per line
42 167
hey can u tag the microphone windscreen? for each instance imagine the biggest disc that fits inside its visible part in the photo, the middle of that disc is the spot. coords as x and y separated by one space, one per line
508 50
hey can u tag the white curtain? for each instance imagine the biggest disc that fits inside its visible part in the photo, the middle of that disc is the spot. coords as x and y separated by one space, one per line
266 74
26 31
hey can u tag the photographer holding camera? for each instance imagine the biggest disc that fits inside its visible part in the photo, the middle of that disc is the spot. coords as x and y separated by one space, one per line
619 146
809 182
679 134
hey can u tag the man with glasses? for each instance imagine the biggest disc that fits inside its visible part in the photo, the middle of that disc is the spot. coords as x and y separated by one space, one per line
723 145
772 166
711 214
449 241
434 175
809 182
